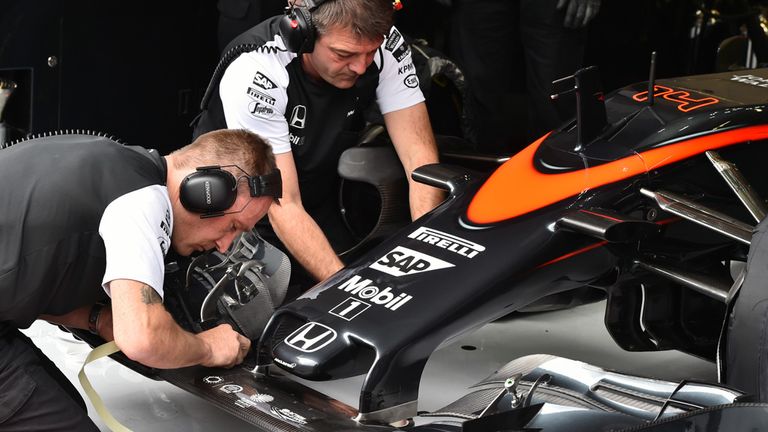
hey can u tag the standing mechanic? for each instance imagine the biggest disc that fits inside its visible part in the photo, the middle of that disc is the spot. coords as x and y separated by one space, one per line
487 39
82 218
298 80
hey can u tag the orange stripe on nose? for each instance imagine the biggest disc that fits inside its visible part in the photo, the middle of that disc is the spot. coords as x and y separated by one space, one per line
518 188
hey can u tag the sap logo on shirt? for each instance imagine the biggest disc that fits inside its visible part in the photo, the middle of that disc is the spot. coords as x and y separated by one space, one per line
262 81
311 337
402 261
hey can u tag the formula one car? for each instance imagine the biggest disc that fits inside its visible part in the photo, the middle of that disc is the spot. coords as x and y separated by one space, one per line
639 196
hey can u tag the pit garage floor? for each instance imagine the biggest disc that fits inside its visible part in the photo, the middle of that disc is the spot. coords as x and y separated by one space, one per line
142 404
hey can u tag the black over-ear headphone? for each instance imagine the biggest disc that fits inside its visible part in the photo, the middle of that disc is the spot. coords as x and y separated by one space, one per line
297 28
210 190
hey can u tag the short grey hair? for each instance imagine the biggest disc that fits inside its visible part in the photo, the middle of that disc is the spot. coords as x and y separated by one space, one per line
368 19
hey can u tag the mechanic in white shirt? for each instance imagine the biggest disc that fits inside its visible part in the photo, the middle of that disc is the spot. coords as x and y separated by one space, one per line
83 220
300 81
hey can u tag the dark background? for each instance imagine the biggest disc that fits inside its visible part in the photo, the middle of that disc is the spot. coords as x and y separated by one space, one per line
137 69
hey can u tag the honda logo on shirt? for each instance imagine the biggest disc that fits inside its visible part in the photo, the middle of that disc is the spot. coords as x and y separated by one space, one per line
311 337
298 116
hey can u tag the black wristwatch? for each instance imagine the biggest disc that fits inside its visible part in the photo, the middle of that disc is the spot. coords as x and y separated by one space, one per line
93 318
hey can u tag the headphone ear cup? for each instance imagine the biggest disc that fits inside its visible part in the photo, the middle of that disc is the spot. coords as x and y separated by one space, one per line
208 191
298 31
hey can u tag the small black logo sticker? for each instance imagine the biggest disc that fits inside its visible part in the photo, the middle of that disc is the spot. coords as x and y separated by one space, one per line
252 92
401 52
260 110
392 40
411 81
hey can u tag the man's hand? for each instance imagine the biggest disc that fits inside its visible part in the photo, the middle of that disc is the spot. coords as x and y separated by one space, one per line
296 228
227 347
148 334
579 12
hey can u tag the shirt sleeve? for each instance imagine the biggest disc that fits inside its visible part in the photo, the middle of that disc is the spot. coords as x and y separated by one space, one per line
253 95
136 229
398 84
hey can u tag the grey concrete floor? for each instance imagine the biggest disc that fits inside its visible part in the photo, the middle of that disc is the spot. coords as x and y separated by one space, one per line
142 404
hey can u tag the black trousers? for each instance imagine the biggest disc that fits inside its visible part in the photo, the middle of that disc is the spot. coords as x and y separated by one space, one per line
34 394
746 357
510 52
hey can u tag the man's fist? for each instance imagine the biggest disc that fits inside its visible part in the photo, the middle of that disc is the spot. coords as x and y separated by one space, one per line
227 347
579 12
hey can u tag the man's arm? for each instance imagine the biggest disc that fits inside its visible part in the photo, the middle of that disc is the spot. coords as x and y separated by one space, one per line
296 228
414 142
147 333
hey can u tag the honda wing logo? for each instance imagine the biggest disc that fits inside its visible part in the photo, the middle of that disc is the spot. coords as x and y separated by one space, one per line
311 337
402 261
298 116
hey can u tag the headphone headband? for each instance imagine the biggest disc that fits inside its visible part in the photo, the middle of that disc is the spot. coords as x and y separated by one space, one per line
297 28
313 4
270 184
211 190
267 185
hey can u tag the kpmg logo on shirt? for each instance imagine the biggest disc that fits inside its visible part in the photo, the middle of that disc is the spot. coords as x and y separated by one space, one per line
262 81
298 116
252 92
405 68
